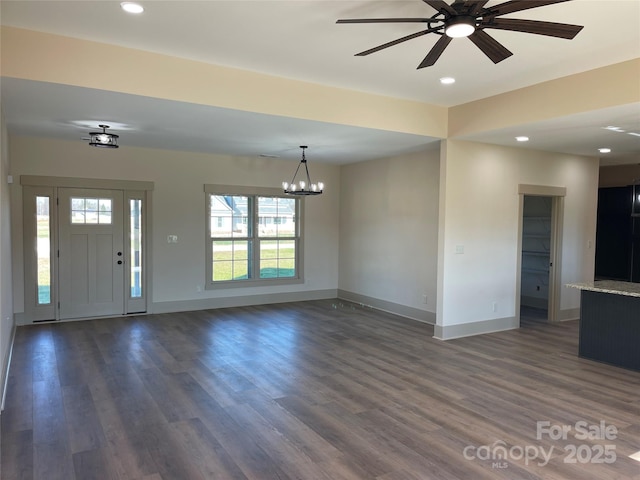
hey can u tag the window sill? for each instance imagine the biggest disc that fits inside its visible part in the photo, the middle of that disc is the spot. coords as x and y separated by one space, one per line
265 282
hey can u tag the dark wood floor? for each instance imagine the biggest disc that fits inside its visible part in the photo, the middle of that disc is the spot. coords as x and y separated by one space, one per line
315 390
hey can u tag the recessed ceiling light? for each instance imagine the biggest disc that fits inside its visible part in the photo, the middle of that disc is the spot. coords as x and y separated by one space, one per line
522 139
131 7
447 80
604 150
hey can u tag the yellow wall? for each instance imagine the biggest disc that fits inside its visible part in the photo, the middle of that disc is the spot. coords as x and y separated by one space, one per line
604 87
52 58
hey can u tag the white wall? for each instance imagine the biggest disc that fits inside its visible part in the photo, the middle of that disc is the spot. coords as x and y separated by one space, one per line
179 209
479 208
388 233
6 294
395 224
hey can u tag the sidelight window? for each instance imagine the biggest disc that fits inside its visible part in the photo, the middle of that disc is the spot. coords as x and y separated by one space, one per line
43 249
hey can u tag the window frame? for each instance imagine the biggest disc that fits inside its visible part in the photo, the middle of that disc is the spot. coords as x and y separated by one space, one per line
253 216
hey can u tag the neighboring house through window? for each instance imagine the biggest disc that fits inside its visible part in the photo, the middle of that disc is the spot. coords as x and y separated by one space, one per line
253 237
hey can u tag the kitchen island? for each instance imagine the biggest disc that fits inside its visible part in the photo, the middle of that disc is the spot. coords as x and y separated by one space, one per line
610 322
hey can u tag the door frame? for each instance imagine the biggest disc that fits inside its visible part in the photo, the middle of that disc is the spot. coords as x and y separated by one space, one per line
132 189
557 195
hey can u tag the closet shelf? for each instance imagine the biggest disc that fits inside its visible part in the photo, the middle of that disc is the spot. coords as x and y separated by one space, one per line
536 253
536 270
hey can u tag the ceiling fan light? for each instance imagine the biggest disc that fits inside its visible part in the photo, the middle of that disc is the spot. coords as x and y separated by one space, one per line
460 26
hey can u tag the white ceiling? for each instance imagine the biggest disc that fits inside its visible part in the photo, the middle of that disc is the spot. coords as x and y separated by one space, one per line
299 39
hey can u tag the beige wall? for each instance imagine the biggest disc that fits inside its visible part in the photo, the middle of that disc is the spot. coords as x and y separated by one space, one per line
479 211
389 230
604 87
6 291
619 175
179 209
70 61
385 229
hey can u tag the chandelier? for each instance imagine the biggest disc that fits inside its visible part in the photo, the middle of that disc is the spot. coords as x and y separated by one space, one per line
302 187
103 139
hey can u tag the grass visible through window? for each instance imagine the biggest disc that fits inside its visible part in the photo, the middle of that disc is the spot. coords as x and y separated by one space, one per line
274 264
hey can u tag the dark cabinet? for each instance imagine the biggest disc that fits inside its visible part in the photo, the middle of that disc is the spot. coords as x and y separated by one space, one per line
617 235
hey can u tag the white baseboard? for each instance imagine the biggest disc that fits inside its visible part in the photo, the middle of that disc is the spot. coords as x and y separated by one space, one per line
20 319
395 308
449 332
7 363
569 314
240 301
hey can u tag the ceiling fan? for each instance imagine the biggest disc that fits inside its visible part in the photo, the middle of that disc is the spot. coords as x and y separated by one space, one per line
470 18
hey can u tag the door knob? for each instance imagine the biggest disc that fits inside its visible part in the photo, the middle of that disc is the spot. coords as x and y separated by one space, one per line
119 254
119 262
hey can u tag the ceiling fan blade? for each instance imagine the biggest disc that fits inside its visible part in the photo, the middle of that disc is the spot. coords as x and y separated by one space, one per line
397 41
490 46
519 5
384 20
435 52
475 6
439 5
551 29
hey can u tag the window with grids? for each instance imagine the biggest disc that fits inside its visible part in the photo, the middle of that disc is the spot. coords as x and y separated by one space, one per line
253 238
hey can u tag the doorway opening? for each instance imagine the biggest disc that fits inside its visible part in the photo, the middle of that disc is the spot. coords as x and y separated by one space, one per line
536 252
540 233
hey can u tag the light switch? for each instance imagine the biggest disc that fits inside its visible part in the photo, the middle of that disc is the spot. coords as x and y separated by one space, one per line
172 239
459 249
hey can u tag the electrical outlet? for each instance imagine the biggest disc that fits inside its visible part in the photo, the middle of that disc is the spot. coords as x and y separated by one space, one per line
424 299
494 305
199 288
538 287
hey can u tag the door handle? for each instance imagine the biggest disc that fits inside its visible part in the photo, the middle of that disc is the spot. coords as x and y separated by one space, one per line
119 254
119 262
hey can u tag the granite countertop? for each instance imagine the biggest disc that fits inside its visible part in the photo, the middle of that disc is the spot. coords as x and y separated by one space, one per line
609 286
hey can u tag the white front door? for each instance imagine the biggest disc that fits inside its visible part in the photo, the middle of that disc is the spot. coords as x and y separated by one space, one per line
91 252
